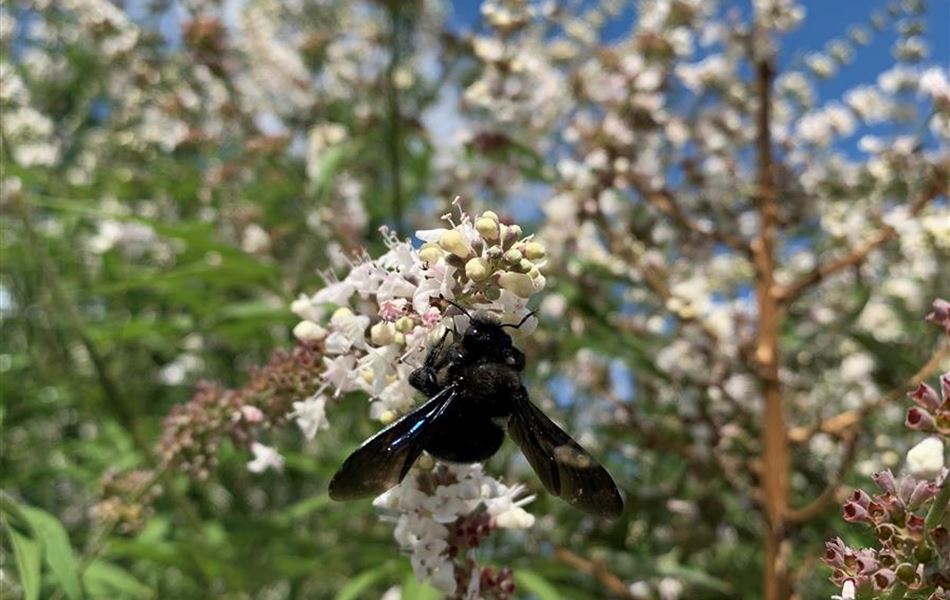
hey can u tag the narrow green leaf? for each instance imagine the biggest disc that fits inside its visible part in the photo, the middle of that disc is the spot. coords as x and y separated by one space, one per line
534 583
413 588
106 580
56 549
359 584
28 553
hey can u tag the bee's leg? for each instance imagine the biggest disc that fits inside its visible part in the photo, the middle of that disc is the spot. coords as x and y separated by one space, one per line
424 379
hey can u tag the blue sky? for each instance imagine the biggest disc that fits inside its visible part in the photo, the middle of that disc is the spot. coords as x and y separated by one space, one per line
825 19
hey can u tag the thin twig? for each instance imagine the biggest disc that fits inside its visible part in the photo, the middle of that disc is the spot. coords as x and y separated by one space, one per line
597 569
843 422
792 291
828 495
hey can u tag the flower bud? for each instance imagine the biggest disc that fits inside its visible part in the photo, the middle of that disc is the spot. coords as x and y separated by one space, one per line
382 333
534 250
925 397
387 417
430 253
508 235
495 252
919 419
404 324
518 283
308 331
453 241
924 491
525 265
487 228
855 513
884 579
477 269
513 256
906 573
885 480
490 215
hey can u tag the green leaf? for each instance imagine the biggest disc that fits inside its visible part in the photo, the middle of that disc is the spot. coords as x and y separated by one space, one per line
106 580
669 568
57 550
534 583
417 590
301 509
27 552
359 584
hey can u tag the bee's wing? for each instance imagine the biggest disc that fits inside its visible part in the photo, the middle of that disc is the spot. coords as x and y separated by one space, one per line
564 467
384 459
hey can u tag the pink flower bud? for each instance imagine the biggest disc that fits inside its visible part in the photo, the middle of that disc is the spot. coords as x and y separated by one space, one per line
884 579
926 397
885 481
940 313
919 420
915 525
855 513
861 497
867 562
924 491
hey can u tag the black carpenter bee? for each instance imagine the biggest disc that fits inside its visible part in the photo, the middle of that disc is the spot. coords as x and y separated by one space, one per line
475 393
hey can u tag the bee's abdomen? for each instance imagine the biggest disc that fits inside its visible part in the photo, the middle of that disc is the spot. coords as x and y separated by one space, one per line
463 437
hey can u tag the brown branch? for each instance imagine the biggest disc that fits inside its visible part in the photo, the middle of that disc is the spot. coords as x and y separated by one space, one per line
664 201
775 453
789 293
828 495
597 569
842 423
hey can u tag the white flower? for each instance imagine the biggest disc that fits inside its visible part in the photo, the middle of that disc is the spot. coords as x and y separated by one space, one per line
265 458
925 460
848 591
254 239
311 415
339 372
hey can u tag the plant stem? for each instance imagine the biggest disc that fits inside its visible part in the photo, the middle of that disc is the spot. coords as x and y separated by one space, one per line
899 591
774 437
395 118
939 509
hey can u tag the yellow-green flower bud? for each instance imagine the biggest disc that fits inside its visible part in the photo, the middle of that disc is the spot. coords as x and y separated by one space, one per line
399 338
525 265
534 250
534 273
404 324
477 269
517 283
382 333
513 256
490 215
430 253
487 228
387 417
453 242
341 316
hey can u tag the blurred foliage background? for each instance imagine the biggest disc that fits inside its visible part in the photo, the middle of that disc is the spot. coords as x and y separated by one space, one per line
174 174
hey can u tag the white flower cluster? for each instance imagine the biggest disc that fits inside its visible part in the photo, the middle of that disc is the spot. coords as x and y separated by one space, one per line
441 513
388 310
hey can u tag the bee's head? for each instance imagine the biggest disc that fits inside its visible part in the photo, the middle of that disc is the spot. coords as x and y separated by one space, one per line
485 338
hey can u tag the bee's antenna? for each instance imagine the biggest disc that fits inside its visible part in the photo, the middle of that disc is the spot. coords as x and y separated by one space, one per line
520 323
464 312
